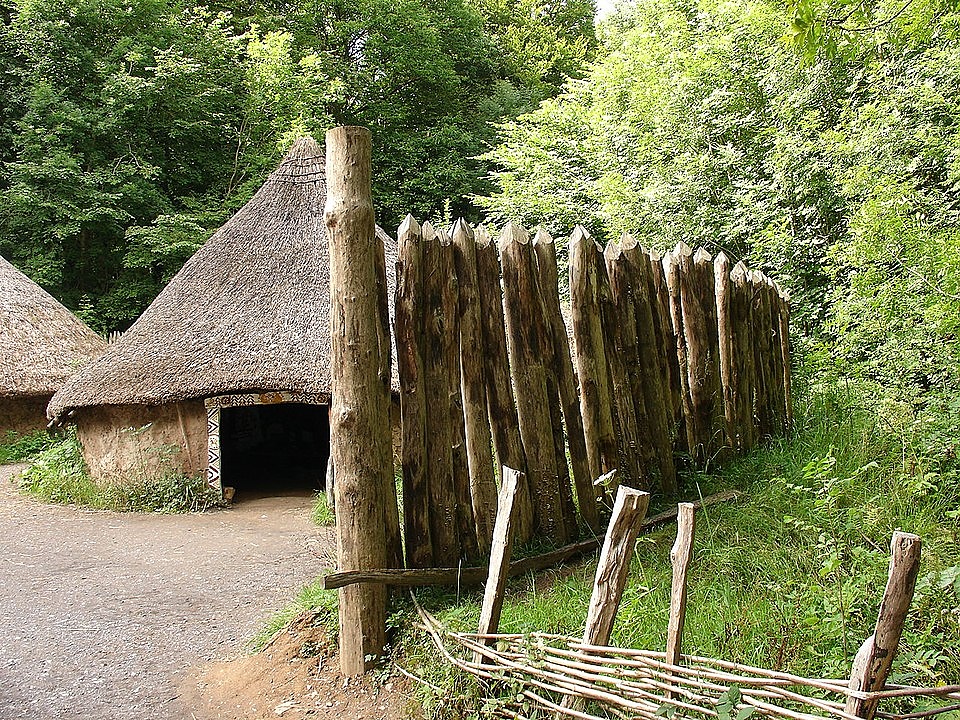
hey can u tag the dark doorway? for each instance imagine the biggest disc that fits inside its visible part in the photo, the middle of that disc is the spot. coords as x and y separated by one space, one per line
274 449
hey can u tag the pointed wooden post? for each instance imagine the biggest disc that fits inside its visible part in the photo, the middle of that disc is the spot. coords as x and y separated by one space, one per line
785 351
654 380
500 552
529 355
483 488
360 425
444 534
408 321
501 403
620 347
724 300
586 264
466 526
699 304
671 273
629 510
875 658
546 255
666 344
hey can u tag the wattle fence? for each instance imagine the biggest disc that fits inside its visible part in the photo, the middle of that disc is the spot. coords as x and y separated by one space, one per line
656 358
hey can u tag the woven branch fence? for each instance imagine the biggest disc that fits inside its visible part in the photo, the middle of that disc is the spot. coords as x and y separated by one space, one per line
656 357
587 678
627 683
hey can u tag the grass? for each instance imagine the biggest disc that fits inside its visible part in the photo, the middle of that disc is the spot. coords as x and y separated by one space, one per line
788 578
58 474
15 447
322 514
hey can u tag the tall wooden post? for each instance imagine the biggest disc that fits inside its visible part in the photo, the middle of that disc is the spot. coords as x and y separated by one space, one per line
545 252
408 324
360 424
483 487
586 305
501 403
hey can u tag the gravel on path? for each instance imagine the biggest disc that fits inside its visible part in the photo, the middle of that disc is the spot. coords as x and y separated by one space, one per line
102 614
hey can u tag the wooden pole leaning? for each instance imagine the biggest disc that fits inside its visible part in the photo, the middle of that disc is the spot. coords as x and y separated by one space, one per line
871 666
501 549
360 437
629 511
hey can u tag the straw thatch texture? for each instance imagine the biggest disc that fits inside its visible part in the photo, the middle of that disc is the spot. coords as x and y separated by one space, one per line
249 312
41 342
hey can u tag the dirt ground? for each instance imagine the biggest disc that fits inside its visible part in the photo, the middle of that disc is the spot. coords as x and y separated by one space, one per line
139 616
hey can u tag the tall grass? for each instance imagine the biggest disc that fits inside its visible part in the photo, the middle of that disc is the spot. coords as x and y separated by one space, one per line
58 474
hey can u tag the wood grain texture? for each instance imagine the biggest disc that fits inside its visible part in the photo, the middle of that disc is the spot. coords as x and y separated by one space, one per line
360 408
680 556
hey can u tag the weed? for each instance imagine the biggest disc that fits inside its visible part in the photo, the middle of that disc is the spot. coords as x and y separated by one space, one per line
15 447
58 474
322 514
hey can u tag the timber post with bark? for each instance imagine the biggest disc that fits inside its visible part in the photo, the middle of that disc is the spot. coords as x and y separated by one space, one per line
501 402
360 426
483 487
408 324
585 266
530 352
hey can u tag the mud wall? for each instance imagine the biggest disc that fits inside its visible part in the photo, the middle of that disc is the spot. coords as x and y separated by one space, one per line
23 414
134 441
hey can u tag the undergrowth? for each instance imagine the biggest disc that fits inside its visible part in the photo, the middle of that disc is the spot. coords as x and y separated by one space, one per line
15 447
58 474
322 514
790 577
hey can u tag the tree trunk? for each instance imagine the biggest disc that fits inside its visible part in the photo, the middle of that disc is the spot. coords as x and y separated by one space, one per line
360 411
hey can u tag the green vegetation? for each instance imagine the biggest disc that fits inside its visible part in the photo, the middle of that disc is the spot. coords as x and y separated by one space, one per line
788 578
322 513
58 474
16 448
313 599
129 131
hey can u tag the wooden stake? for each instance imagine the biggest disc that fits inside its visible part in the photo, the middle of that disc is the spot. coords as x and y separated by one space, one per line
500 552
653 377
671 273
444 533
546 256
408 322
466 525
666 344
785 351
586 264
620 347
361 443
501 403
629 511
724 300
742 367
529 354
873 661
680 557
483 488
698 297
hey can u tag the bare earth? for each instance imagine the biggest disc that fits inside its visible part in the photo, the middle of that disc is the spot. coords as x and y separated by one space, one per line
138 616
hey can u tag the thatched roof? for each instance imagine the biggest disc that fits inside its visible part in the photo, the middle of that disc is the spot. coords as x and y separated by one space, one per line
41 342
249 312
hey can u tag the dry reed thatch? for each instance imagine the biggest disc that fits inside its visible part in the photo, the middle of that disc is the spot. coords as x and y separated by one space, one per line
249 312
41 342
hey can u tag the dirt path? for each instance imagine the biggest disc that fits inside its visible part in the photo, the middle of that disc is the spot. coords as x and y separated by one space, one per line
108 616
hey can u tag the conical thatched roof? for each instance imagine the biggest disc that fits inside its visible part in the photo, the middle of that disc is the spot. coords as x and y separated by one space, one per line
41 342
248 312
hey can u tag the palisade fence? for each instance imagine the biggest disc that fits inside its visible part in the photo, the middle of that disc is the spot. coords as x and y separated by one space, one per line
682 355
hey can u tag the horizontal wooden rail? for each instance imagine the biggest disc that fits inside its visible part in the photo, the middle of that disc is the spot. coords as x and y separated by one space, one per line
415 577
